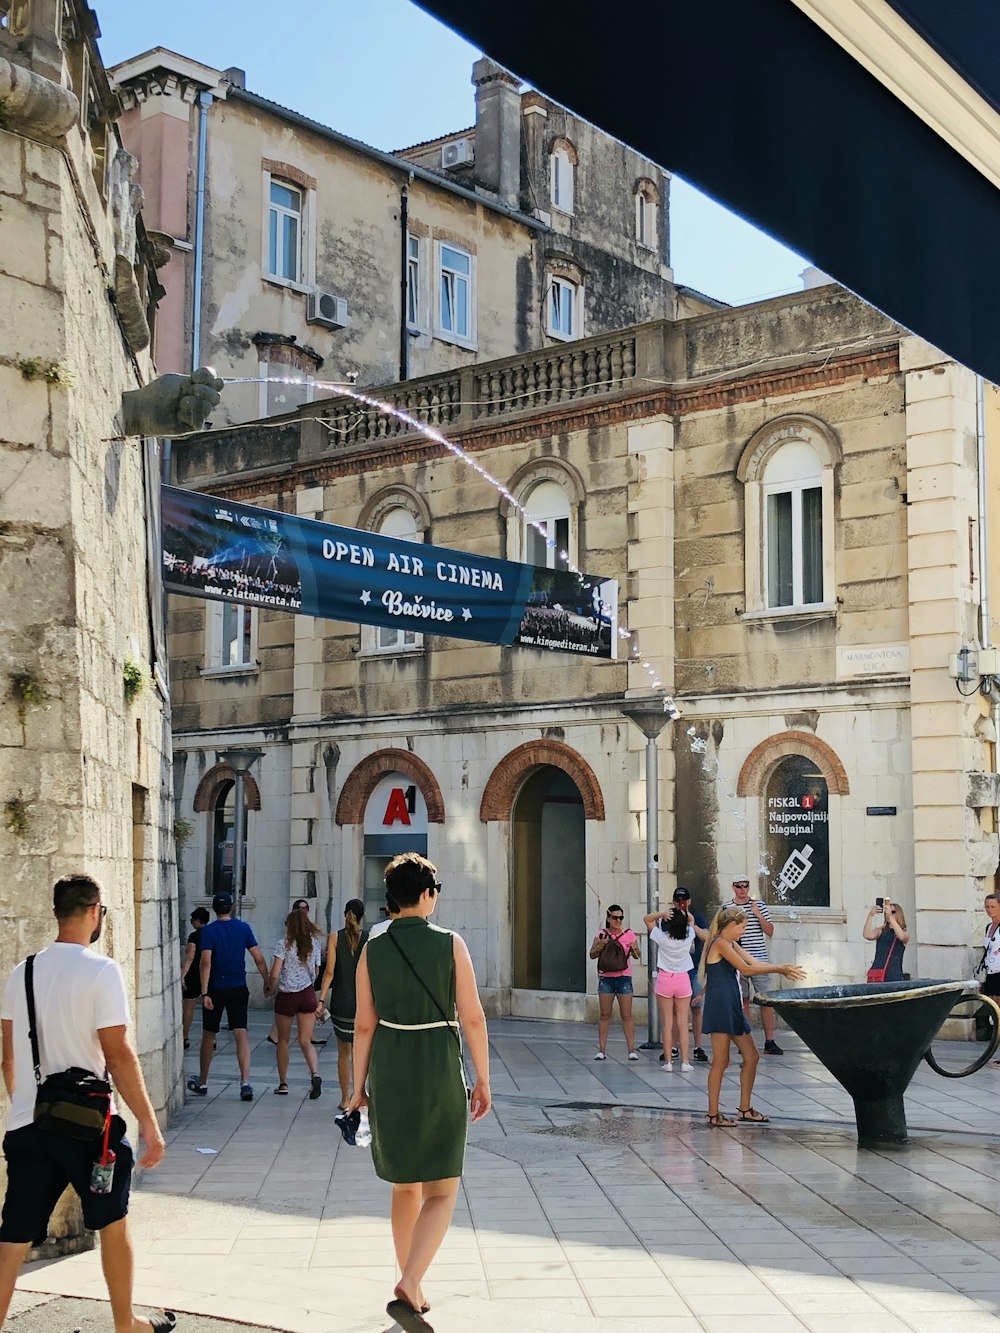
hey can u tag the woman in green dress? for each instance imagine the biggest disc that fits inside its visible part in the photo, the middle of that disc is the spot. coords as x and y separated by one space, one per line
415 986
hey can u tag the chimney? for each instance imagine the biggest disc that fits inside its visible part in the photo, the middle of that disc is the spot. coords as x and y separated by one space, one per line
498 131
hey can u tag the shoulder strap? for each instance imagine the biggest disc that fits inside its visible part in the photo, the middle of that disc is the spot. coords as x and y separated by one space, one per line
29 991
426 989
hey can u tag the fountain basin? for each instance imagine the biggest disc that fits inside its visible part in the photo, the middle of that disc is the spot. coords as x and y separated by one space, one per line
871 1037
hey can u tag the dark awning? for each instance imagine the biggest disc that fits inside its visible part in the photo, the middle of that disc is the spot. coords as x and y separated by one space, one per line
801 131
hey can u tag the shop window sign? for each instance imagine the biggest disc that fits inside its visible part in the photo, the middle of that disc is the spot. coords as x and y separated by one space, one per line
797 825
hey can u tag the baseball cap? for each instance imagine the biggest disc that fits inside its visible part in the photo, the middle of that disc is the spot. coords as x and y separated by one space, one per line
741 883
681 895
222 902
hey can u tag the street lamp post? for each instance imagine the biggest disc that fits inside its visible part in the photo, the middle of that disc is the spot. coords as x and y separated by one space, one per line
241 762
651 718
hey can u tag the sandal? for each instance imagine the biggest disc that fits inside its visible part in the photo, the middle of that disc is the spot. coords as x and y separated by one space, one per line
752 1115
317 1087
719 1120
281 1090
162 1321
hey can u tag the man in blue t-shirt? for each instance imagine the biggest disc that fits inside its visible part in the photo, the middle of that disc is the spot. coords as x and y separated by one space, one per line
682 898
224 942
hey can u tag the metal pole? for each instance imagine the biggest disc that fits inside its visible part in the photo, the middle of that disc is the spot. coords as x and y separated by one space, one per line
239 826
652 886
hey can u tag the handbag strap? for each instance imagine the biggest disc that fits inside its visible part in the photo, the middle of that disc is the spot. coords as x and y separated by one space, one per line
895 941
29 991
427 990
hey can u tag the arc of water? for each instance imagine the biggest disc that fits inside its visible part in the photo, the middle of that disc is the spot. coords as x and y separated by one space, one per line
431 433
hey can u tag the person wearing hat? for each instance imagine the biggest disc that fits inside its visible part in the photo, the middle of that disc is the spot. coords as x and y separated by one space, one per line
224 941
682 898
754 942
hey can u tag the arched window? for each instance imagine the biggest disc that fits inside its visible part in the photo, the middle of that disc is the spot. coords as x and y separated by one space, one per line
647 208
546 535
223 824
562 175
787 469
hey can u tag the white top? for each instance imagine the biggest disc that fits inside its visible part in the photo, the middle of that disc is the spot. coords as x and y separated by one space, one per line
296 975
673 955
77 993
992 947
379 928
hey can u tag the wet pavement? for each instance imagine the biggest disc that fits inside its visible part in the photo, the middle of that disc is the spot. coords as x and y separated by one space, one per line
596 1197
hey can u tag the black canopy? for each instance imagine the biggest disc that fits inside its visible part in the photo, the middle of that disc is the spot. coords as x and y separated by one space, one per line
752 101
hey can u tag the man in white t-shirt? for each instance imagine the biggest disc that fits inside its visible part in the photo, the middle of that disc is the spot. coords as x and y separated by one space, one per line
392 910
81 1021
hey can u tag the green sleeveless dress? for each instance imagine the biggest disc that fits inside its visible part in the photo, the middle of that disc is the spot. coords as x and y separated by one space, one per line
418 1104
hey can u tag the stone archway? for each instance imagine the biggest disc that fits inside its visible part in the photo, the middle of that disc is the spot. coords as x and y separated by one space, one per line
365 776
515 768
207 794
763 757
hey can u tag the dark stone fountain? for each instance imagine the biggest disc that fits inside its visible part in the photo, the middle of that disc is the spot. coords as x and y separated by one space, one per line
872 1037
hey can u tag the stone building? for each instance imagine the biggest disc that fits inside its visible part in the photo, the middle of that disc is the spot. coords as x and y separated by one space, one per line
299 252
84 712
786 492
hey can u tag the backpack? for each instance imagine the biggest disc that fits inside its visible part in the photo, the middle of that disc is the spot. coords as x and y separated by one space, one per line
613 956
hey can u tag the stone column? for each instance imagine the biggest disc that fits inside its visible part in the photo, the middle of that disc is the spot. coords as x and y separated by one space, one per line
307 682
951 852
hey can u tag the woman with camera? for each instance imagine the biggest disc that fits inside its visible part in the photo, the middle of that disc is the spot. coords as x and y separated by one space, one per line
891 939
674 937
614 947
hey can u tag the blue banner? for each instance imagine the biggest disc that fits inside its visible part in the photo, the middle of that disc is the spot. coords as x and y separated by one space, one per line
239 553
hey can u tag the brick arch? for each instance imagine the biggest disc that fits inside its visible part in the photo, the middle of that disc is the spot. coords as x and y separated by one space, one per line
365 777
216 778
762 758
509 775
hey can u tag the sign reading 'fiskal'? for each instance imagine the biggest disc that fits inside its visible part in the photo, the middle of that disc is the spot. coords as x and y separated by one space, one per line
239 553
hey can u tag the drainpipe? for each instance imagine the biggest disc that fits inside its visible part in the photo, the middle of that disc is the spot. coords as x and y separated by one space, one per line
404 238
985 621
204 102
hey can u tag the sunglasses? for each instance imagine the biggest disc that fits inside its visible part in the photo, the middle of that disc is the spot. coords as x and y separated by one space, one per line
616 916
104 910
437 887
741 883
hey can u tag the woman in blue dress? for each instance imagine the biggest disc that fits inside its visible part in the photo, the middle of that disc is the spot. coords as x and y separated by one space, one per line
722 1015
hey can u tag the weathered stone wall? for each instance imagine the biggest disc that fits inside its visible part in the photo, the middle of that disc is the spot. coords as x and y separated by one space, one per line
84 782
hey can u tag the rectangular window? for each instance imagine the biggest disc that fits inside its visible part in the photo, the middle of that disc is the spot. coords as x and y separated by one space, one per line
794 547
537 550
413 281
562 309
236 639
562 181
285 232
456 292
645 222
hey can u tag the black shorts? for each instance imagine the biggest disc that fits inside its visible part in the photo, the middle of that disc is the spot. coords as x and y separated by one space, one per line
40 1166
191 986
991 983
235 1001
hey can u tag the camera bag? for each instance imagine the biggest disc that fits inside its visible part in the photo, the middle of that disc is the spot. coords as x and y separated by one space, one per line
74 1103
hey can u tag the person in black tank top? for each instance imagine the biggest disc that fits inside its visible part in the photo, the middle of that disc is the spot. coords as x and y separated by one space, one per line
722 963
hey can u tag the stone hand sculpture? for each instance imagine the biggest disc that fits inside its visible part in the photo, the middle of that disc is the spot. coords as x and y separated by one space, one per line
171 404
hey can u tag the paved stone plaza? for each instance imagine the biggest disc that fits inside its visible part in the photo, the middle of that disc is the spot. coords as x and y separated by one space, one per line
596 1196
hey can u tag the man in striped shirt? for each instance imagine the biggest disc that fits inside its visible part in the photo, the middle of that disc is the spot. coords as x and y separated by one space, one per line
754 939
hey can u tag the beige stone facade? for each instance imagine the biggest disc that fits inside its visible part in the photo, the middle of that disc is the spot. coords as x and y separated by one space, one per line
668 460
527 230
84 771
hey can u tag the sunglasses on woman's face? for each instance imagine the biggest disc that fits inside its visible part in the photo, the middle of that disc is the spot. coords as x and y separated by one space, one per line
436 887
616 916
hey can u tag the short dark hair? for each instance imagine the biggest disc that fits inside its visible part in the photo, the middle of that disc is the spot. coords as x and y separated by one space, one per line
74 894
407 876
201 914
390 903
222 904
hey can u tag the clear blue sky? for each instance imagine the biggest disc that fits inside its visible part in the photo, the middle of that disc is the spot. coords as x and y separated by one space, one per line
384 72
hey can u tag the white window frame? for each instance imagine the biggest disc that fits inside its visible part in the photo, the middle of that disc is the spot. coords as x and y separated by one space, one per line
795 490
379 640
647 221
559 290
214 643
760 452
547 518
443 275
264 369
306 279
414 281
562 181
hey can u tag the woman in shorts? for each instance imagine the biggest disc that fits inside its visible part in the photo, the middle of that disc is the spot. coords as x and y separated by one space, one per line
614 978
674 937
296 961
343 952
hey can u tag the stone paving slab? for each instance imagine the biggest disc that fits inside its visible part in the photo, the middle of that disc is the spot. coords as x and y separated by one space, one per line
595 1198
59 1314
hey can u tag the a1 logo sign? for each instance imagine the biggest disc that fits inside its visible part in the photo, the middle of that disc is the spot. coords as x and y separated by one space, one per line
400 805
808 802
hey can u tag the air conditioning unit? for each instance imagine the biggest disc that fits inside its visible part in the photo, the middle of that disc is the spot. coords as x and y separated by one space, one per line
458 153
328 310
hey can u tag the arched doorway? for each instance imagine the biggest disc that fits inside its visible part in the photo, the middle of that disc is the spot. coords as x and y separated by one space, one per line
549 883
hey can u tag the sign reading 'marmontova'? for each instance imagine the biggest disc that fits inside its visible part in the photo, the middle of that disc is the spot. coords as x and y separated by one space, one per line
239 553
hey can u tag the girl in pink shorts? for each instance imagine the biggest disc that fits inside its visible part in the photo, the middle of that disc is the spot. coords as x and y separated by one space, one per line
674 937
